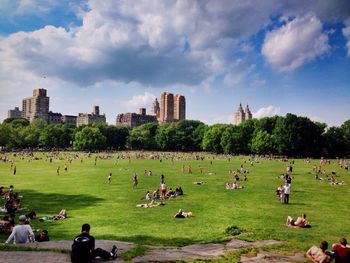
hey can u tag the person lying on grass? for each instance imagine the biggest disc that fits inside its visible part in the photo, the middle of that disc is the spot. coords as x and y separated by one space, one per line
300 222
151 204
182 214
199 182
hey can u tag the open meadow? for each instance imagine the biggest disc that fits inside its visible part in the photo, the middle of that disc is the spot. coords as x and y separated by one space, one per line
110 209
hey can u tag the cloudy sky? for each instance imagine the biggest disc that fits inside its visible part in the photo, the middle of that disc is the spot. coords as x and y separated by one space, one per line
277 56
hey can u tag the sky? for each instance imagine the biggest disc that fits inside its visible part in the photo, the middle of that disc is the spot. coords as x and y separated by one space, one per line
280 57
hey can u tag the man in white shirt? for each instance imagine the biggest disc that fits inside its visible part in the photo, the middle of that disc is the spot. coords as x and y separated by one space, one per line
286 193
21 233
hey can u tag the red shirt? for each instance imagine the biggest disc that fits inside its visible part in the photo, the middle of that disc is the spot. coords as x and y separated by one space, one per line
342 254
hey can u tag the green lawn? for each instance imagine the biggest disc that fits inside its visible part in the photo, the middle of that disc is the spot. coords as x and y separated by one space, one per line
110 209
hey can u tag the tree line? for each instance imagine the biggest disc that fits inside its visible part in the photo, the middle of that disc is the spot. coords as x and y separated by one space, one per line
289 135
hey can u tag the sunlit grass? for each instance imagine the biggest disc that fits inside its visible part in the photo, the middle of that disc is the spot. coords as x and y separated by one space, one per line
110 209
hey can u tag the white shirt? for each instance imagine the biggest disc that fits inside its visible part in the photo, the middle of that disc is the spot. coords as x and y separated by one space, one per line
286 189
20 234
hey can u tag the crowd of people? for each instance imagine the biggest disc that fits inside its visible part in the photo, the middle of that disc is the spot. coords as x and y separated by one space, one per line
23 232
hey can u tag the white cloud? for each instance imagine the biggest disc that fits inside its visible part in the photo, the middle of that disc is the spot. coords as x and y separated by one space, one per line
346 33
299 41
139 101
268 111
238 72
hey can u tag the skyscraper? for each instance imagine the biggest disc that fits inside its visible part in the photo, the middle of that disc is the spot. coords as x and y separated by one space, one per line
179 107
37 106
241 116
166 107
172 108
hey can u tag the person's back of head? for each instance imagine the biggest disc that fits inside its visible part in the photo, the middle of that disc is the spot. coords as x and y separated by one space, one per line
85 228
324 245
303 215
343 241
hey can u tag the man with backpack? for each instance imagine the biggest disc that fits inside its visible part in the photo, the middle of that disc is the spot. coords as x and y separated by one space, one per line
83 248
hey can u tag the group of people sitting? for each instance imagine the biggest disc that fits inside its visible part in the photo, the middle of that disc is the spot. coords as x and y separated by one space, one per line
156 195
340 252
234 186
12 201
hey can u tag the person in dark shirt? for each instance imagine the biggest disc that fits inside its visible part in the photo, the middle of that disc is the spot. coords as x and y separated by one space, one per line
83 248
42 237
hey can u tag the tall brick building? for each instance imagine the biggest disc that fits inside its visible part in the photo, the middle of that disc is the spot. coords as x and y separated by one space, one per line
172 108
37 106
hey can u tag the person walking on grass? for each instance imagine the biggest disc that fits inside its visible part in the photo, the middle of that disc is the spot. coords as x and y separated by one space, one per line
109 178
135 181
286 193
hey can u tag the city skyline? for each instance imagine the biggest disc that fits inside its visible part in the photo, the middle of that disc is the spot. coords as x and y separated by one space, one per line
278 56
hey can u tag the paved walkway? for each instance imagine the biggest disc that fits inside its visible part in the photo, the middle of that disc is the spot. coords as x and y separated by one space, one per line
159 254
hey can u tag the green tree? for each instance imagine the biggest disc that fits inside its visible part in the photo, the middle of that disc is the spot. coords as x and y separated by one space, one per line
89 138
212 138
345 127
262 143
116 136
165 137
143 137
232 139
298 136
16 122
334 145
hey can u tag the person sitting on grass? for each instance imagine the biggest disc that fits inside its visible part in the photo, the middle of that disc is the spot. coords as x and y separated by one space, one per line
319 254
83 248
342 251
235 186
170 193
182 214
178 191
5 225
21 233
148 196
300 222
42 237
228 186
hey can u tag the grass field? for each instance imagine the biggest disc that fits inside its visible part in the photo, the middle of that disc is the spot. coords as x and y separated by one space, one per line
110 208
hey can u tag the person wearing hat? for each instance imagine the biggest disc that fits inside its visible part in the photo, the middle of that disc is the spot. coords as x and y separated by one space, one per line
21 233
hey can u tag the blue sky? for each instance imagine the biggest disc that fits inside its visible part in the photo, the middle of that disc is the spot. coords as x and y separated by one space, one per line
277 56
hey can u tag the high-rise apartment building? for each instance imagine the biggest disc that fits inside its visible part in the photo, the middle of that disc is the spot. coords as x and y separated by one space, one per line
37 106
172 108
241 116
179 107
16 113
166 107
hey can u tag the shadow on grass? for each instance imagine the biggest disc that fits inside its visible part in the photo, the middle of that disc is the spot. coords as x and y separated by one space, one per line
52 203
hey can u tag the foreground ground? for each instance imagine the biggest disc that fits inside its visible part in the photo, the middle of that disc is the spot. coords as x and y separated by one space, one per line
111 208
